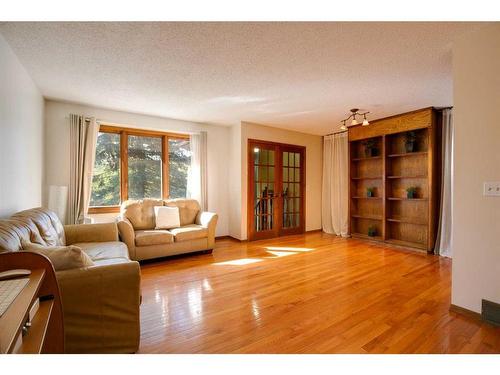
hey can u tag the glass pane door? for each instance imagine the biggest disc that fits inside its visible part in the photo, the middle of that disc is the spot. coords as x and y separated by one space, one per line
292 195
264 188
275 189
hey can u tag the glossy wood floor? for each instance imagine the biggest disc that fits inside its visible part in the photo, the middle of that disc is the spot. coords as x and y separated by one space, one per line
311 293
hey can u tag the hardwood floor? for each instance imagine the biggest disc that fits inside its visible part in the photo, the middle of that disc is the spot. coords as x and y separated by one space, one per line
312 293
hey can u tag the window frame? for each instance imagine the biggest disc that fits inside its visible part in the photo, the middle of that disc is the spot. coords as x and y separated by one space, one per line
124 133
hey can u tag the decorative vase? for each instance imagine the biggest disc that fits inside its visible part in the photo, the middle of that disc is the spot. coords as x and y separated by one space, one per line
410 194
369 194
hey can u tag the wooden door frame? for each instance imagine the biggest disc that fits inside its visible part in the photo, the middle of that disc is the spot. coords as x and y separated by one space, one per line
301 228
279 183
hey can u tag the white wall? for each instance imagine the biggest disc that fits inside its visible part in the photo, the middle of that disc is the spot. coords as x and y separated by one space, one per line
476 231
234 177
21 136
57 149
314 166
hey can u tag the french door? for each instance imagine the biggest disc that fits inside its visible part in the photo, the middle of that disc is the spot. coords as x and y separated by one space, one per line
276 181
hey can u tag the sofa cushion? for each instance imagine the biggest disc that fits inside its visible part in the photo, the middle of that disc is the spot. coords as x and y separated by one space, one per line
104 250
61 257
167 217
49 227
189 232
153 237
141 213
188 209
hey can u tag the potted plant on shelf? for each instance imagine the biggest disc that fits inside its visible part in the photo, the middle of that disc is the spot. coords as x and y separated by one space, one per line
372 231
370 147
411 141
370 192
411 192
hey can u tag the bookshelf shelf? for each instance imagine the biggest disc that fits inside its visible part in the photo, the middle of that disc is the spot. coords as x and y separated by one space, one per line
407 154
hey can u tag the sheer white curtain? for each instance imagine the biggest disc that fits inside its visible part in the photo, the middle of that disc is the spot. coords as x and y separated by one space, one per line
335 189
197 175
443 241
83 138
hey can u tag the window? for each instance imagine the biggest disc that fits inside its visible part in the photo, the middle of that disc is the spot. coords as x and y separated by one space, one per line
179 160
133 164
144 167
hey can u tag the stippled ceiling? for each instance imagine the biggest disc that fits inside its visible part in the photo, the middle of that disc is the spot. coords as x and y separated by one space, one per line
300 76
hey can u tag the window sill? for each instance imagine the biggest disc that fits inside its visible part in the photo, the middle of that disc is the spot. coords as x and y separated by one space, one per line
104 210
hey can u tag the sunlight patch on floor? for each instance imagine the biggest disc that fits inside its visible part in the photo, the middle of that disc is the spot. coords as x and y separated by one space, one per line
238 262
278 248
280 253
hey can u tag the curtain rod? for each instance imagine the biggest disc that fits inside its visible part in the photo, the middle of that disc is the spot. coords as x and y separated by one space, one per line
340 131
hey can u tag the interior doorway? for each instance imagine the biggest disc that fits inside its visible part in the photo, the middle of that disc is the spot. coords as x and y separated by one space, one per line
276 189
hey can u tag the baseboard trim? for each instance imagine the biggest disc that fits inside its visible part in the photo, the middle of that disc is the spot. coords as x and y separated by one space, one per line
314 231
465 312
218 238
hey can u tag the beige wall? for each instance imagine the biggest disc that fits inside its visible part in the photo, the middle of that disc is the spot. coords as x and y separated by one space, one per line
21 136
476 218
314 160
57 170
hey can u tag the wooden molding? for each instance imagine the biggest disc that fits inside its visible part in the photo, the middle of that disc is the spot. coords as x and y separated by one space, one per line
465 312
413 120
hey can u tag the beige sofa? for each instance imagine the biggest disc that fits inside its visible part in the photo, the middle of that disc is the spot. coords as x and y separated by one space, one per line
136 225
101 302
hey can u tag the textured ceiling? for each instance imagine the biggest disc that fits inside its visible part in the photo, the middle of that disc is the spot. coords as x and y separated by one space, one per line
300 76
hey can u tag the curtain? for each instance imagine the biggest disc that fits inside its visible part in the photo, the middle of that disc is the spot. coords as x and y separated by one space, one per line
443 241
335 190
83 138
197 175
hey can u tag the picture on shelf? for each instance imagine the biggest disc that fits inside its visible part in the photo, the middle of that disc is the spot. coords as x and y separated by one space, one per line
411 141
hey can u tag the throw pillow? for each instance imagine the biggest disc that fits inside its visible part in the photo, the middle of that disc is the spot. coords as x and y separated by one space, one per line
167 217
61 257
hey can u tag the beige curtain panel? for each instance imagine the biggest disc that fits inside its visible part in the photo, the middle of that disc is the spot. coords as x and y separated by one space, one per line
83 138
335 190
197 187
443 241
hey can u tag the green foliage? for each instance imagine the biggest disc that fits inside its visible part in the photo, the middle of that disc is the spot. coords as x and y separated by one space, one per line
106 179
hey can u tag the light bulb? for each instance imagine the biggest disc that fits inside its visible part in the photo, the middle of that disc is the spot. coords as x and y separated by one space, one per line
354 121
365 122
343 127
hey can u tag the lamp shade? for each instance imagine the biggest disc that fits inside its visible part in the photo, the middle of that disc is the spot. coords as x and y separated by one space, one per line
58 201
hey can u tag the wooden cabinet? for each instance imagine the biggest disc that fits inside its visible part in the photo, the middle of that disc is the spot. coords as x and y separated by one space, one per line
394 172
45 332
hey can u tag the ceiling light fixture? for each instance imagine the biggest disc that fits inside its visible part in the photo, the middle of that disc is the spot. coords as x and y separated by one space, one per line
354 113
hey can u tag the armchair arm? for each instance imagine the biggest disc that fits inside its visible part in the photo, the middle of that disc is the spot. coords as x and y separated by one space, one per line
101 308
209 221
90 233
127 235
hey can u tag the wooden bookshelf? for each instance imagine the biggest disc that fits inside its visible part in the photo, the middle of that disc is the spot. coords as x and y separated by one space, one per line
390 170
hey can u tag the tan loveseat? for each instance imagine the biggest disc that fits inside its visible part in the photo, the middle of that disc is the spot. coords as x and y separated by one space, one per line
136 225
101 302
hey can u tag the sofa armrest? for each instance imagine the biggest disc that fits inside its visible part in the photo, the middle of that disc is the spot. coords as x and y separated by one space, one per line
101 308
91 233
127 235
209 221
